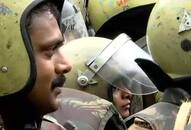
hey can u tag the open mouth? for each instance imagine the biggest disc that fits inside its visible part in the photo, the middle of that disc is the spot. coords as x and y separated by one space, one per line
126 107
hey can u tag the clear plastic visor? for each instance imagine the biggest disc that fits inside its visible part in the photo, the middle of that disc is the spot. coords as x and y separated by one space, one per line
116 64
72 22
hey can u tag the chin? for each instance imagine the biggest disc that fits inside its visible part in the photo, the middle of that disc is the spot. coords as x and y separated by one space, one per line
56 104
52 106
125 115
50 109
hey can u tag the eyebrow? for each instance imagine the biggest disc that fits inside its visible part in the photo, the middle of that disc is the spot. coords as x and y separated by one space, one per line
56 41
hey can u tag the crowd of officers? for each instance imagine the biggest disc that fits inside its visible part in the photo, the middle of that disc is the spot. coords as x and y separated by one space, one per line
95 65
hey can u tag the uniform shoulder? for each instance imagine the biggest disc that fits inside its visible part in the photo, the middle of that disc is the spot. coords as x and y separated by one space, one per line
140 124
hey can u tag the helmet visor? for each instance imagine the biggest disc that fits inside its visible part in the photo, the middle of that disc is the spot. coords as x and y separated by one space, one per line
116 64
73 24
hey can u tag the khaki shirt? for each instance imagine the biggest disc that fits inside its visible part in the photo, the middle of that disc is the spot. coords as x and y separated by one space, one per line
160 116
140 125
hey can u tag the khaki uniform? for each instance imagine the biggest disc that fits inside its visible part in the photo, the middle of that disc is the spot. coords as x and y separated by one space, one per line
84 111
160 116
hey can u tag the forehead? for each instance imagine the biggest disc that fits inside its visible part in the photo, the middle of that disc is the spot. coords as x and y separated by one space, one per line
45 29
40 19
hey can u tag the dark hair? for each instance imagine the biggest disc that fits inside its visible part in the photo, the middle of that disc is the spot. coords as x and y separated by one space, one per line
40 9
112 88
110 92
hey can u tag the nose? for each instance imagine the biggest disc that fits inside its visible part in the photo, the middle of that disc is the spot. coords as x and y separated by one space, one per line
62 65
126 96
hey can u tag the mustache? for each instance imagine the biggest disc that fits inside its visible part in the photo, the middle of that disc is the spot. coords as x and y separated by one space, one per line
59 81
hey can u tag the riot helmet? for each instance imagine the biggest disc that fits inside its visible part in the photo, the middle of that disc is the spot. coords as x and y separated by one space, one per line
72 21
98 62
119 16
17 63
109 18
168 39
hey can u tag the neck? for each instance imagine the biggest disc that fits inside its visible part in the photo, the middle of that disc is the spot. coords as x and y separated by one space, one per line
20 115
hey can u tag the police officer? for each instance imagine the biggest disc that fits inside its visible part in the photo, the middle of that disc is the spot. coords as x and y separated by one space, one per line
97 62
31 66
168 39
115 17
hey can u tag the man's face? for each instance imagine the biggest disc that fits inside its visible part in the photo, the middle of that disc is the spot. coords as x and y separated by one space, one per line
50 63
122 100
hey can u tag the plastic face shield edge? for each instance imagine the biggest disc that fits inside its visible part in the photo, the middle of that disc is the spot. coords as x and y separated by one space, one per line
116 64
